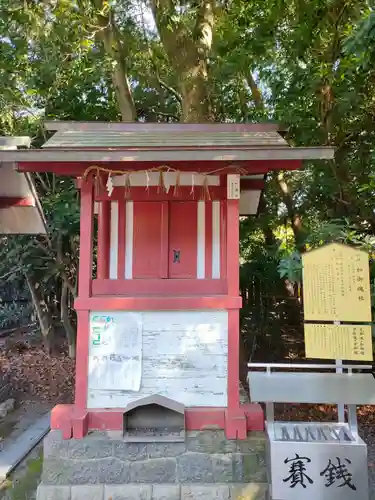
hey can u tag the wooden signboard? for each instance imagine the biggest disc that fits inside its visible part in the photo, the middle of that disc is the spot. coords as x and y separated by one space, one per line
336 285
339 342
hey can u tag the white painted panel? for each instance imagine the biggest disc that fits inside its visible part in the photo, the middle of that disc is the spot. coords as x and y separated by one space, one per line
184 357
201 250
139 179
208 391
216 239
113 249
21 220
249 202
129 240
13 183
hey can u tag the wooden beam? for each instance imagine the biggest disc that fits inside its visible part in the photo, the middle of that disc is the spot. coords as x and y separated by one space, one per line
252 184
7 202
152 194
58 126
77 168
162 156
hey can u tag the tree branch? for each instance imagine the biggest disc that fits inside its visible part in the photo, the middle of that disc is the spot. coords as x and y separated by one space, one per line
167 87
167 115
14 270
255 92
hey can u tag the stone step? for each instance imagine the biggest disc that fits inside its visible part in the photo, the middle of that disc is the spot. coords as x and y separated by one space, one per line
250 491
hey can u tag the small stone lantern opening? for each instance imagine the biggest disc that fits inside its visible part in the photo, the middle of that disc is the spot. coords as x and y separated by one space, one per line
154 418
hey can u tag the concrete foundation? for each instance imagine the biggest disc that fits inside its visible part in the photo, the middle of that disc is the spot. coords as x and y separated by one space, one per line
102 466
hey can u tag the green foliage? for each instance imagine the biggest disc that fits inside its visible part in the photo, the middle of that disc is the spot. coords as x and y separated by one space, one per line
290 268
14 314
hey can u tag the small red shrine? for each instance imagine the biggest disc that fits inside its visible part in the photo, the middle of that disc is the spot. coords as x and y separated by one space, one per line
158 305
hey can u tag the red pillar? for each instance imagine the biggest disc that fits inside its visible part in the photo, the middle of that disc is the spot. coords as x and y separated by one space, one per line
80 420
235 420
233 291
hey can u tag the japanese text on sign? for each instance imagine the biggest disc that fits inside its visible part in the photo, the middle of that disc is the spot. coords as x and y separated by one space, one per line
350 342
335 474
336 284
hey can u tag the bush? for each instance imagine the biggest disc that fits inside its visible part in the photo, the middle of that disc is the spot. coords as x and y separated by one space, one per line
15 314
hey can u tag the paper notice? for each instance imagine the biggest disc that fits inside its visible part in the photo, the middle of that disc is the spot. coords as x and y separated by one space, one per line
115 361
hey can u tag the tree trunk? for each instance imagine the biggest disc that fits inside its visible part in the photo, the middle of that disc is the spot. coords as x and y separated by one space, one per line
188 53
70 331
42 312
294 216
269 237
115 50
195 99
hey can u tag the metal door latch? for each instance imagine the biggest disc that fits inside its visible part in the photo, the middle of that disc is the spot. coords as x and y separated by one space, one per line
176 256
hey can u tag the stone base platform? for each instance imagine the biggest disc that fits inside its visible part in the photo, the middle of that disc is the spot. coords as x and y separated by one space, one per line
251 491
102 466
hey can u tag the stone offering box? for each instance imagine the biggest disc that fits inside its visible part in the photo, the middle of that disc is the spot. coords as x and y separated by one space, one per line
319 460
158 302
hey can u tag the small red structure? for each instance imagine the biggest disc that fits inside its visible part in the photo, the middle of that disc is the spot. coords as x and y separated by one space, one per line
158 308
20 210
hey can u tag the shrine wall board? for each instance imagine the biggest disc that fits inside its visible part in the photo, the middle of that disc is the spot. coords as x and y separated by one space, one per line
178 354
194 228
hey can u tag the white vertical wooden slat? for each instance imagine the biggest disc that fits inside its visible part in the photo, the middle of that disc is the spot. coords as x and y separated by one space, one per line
216 240
113 249
201 250
129 240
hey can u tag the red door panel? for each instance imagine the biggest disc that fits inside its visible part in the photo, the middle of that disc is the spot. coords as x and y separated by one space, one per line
148 248
183 239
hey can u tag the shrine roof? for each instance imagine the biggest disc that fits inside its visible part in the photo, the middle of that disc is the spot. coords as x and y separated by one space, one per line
173 139
20 209
161 142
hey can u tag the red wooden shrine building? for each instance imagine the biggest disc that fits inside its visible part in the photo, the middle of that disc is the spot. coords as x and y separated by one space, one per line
158 305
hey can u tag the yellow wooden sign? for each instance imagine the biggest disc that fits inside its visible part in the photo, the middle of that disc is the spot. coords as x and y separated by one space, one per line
336 284
349 342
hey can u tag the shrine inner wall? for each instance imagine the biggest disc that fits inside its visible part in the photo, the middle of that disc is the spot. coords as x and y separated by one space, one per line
182 355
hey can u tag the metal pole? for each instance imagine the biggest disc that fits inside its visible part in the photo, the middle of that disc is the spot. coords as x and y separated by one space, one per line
309 366
340 407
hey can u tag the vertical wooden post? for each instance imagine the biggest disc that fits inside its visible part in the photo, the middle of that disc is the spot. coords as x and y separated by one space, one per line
103 239
84 292
86 239
232 241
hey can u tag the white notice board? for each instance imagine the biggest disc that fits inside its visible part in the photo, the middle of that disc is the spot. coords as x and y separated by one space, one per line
115 351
